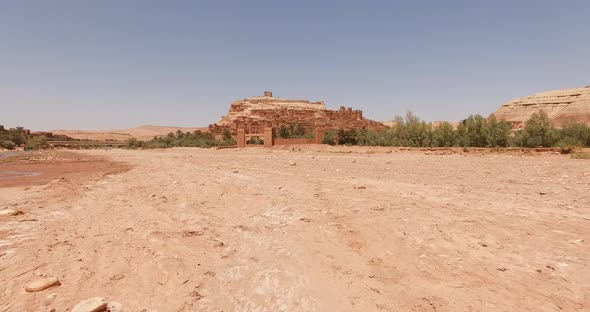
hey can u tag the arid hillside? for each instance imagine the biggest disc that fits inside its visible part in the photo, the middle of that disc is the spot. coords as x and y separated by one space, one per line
141 133
562 106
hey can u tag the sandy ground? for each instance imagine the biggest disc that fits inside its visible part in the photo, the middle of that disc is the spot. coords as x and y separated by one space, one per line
313 230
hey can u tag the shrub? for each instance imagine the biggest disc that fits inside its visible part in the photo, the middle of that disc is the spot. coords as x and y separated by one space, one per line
329 138
569 145
9 145
36 142
538 131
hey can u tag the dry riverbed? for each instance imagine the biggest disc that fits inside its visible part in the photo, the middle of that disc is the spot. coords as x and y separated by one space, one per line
321 229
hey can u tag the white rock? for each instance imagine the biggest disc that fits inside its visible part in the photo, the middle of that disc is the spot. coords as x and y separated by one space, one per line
96 304
42 284
10 212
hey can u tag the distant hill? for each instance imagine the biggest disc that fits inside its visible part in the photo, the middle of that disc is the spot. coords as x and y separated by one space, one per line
141 133
562 106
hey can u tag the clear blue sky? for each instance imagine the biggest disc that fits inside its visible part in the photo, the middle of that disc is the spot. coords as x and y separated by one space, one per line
117 64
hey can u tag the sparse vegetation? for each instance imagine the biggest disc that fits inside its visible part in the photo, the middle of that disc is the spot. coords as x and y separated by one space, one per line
36 142
474 131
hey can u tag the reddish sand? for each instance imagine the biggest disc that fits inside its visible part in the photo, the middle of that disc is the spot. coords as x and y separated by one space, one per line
321 229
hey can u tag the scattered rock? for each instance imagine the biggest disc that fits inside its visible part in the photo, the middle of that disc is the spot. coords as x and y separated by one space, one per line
42 284
236 171
359 187
307 220
502 269
96 304
153 195
542 193
10 212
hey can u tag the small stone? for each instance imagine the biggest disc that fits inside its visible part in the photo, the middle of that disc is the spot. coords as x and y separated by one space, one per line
42 284
96 304
153 195
292 163
10 212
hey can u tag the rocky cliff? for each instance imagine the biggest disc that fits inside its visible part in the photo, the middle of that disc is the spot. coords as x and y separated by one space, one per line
562 106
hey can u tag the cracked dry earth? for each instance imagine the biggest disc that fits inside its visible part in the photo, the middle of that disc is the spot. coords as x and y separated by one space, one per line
317 230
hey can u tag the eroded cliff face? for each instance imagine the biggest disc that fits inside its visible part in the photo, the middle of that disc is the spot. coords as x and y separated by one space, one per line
562 106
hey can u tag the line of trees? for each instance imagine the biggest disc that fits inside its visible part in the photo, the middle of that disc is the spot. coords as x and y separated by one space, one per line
474 131
184 139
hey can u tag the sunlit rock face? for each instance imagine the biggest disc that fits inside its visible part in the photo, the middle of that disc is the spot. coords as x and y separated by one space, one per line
562 106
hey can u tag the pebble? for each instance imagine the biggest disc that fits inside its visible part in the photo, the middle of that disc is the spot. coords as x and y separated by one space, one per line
96 304
42 284
10 212
292 163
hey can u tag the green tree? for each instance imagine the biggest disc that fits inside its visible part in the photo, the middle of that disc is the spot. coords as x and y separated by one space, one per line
575 134
443 135
496 132
538 131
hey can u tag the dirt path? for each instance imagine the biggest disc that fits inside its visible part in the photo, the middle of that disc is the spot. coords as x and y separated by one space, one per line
246 230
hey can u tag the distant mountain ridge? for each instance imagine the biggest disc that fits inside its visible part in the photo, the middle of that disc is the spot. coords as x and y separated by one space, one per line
145 132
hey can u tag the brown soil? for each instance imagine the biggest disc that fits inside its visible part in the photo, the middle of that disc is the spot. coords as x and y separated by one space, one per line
38 168
323 229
